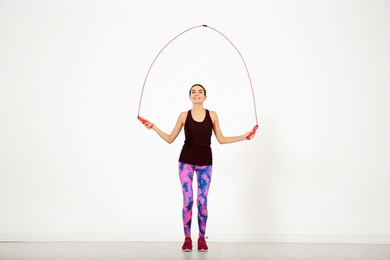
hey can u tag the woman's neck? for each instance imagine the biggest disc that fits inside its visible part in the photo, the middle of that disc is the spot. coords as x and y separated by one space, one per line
197 108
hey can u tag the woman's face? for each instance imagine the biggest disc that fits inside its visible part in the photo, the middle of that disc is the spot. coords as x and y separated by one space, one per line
197 94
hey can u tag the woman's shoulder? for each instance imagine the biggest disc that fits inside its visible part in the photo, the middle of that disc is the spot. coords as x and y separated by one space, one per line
213 116
183 115
212 113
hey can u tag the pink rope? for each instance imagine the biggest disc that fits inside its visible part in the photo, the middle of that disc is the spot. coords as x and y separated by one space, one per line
242 58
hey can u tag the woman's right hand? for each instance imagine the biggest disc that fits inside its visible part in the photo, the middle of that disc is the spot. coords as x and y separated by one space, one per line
148 125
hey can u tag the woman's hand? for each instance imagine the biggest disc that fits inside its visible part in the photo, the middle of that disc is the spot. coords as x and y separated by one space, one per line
247 136
250 135
148 125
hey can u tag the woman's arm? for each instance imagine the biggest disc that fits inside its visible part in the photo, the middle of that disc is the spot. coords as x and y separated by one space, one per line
169 138
225 139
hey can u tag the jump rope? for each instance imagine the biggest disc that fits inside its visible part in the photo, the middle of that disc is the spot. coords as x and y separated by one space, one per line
242 58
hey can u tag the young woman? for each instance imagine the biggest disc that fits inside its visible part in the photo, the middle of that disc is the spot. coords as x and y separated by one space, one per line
196 156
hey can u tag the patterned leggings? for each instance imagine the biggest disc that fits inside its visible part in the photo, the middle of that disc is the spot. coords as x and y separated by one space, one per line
186 173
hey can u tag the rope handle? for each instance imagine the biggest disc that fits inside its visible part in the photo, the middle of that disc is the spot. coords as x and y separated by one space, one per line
252 133
144 121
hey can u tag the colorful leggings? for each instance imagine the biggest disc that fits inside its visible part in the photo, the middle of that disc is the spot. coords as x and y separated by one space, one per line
186 173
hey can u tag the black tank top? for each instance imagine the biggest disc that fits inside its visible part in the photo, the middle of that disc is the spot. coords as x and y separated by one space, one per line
197 144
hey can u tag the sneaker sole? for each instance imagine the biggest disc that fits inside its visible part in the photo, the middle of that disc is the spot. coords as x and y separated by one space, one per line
186 250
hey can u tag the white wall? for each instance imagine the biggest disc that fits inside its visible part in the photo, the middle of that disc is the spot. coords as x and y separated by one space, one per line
75 164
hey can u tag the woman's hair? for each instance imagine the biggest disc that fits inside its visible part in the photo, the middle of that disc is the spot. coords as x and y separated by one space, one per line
199 85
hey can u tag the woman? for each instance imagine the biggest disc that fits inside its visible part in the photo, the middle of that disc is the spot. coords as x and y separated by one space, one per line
196 156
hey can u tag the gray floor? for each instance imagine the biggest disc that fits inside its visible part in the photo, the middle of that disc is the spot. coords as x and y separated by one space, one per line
172 250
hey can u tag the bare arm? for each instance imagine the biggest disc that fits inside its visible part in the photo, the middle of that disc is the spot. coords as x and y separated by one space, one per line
169 138
225 139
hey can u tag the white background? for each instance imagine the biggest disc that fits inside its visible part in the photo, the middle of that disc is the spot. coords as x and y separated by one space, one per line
76 164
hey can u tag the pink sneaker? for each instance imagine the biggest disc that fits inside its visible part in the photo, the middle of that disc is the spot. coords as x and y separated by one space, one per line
202 246
187 246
